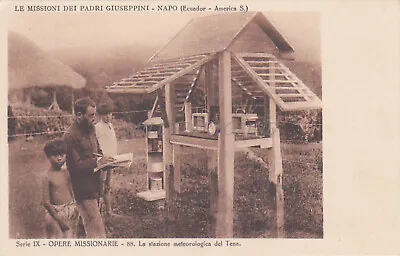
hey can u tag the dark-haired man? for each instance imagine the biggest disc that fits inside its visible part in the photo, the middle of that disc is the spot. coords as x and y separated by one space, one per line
82 147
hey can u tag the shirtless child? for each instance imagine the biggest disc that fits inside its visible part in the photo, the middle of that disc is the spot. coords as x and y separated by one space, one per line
61 215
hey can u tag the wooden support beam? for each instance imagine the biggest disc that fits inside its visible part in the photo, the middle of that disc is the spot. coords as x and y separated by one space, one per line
254 54
210 72
276 180
213 188
54 105
266 116
168 155
194 142
224 222
72 102
188 117
177 150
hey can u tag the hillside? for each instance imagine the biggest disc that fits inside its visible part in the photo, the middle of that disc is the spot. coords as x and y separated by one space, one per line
102 66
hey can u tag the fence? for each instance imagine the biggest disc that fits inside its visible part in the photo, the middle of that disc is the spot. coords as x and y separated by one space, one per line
64 121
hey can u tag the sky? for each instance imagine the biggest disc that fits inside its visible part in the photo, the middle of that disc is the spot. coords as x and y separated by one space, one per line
52 31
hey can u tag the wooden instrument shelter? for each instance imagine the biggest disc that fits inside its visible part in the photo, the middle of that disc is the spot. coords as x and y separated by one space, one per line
199 69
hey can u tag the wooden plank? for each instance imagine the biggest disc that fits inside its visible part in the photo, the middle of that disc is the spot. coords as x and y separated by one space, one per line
152 195
284 81
262 143
177 150
298 106
224 222
171 65
272 103
194 142
266 116
188 117
212 164
193 57
140 76
268 74
122 89
264 68
277 180
286 88
210 88
122 83
146 82
255 54
168 151
256 62
289 95
160 71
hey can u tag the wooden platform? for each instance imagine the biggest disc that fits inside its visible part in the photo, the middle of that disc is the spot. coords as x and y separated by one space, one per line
212 143
150 195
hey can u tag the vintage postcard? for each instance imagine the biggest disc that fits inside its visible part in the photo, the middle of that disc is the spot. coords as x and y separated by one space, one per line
188 126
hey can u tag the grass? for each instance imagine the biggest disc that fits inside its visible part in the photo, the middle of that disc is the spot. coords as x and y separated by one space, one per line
253 201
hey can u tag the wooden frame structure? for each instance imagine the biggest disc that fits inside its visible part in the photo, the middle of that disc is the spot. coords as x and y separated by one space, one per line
258 76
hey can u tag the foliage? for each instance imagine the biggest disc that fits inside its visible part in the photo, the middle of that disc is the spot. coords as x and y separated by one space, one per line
38 120
302 126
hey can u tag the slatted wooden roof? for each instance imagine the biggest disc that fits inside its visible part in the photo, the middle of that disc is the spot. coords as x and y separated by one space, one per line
158 74
258 74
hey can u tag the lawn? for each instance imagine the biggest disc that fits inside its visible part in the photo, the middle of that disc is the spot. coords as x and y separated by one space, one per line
136 218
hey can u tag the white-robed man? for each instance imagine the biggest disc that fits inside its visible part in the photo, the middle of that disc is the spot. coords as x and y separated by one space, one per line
105 134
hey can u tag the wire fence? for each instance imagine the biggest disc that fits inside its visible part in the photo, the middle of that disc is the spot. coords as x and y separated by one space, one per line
120 114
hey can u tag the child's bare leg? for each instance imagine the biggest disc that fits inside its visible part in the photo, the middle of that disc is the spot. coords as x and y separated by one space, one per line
107 193
92 220
53 230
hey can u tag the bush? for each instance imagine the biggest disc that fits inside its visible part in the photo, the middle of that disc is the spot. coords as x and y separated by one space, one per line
304 126
125 130
38 120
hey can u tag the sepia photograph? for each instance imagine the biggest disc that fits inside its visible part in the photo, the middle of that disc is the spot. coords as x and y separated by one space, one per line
190 125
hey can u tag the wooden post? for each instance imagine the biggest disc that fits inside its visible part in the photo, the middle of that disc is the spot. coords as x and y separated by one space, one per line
272 120
266 131
224 225
168 154
210 85
176 161
212 162
54 105
73 102
276 171
188 117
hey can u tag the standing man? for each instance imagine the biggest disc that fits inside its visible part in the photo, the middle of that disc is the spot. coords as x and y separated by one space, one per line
108 144
82 144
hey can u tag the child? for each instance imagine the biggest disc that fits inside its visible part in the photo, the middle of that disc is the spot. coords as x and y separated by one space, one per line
108 144
61 215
